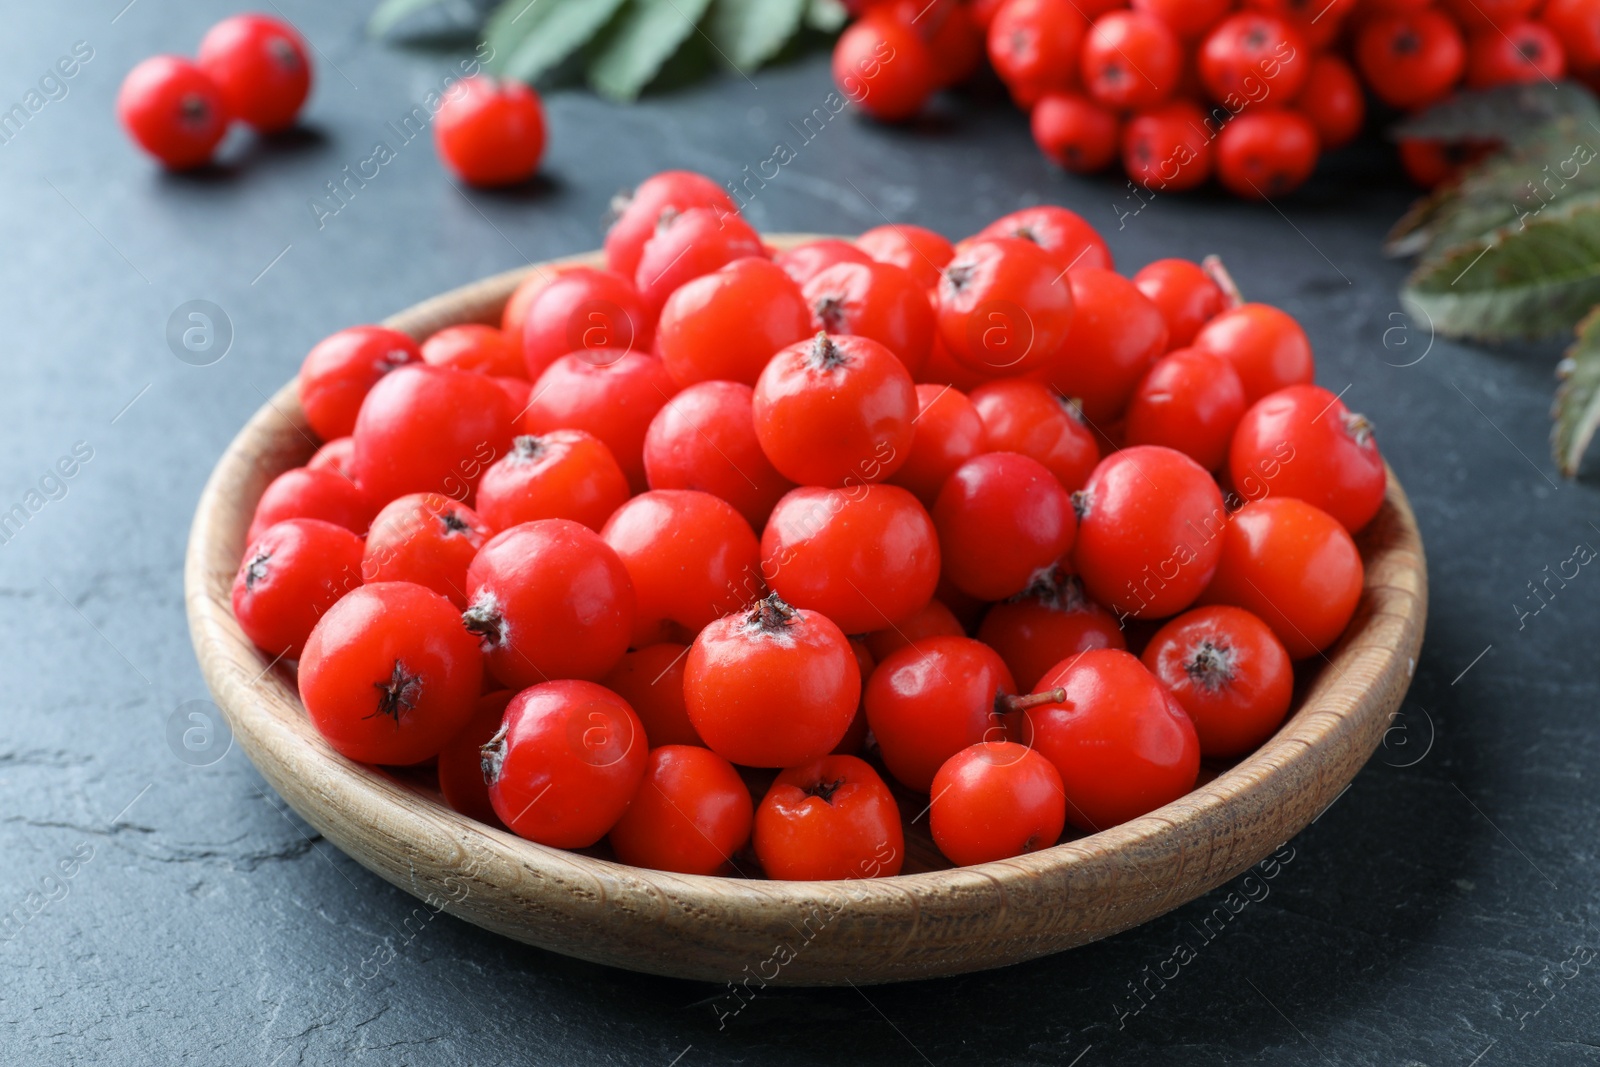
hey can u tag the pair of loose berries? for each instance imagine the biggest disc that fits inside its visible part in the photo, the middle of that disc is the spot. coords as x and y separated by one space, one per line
250 68
708 555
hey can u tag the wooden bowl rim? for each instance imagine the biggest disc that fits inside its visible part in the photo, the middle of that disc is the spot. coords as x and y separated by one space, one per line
243 683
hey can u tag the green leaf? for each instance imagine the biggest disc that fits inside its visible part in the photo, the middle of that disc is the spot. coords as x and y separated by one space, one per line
1506 113
391 13
1524 282
827 16
529 37
750 32
1577 407
1555 167
642 39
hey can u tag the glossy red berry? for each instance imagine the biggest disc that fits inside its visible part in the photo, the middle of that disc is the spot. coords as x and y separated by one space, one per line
1001 517
549 600
567 761
427 539
429 429
1034 46
1230 674
1411 59
688 245
473 346
303 493
1294 567
1149 531
1264 154
1254 58
771 685
490 132
835 410
1576 24
1191 401
933 619
705 439
609 395
878 301
1116 336
1169 148
461 760
563 474
388 674
650 679
996 800
692 558
831 818
341 369
884 67
1185 294
1031 418
657 199
262 68
690 815
1318 451
1003 307
1130 60
1048 622
1065 234
1075 132
1476 15
948 432
805 261
1521 53
1122 744
1189 19
336 456
863 556
1334 101
290 575
726 325
921 251
583 310
1268 349
173 110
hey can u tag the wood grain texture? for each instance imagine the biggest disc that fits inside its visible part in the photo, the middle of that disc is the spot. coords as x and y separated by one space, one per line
921 925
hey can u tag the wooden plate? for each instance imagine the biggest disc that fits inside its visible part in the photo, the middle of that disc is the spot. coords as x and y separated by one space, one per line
919 925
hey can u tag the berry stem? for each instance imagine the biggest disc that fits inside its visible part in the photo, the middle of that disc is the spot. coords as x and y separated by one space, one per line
1005 702
1214 268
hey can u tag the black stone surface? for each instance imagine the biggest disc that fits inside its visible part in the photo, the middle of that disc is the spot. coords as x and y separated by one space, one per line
1441 913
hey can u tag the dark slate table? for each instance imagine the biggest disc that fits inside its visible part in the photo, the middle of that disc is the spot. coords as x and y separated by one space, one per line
1441 913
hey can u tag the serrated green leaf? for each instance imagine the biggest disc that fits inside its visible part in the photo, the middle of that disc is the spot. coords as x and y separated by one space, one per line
750 32
1505 113
1553 168
391 13
529 37
1577 407
1523 282
642 39
827 16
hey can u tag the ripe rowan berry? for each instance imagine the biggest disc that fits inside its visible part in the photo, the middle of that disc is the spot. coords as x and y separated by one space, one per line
771 685
996 800
1519 53
918 250
691 556
831 818
173 110
835 410
1168 147
1294 567
303 493
1034 46
609 395
863 556
1189 19
1116 336
874 300
1186 295
948 432
428 539
461 760
583 310
690 815
1230 674
429 429
291 573
342 368
563 474
1002 306
490 132
1001 518
658 198
1251 58
650 679
1130 60
1576 24
1262 154
1334 102
804 262
546 600
1191 401
1028 417
262 68
335 456
472 346
705 439
1048 622
1074 131
1267 347
933 619
1411 59
1065 234
687 245
1332 460
388 675
884 67
568 760
1150 525
725 326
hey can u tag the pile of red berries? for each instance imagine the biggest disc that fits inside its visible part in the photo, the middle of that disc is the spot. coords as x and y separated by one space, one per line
863 528
1251 91
251 68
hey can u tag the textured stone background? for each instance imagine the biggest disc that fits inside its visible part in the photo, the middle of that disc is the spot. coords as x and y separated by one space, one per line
1439 913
